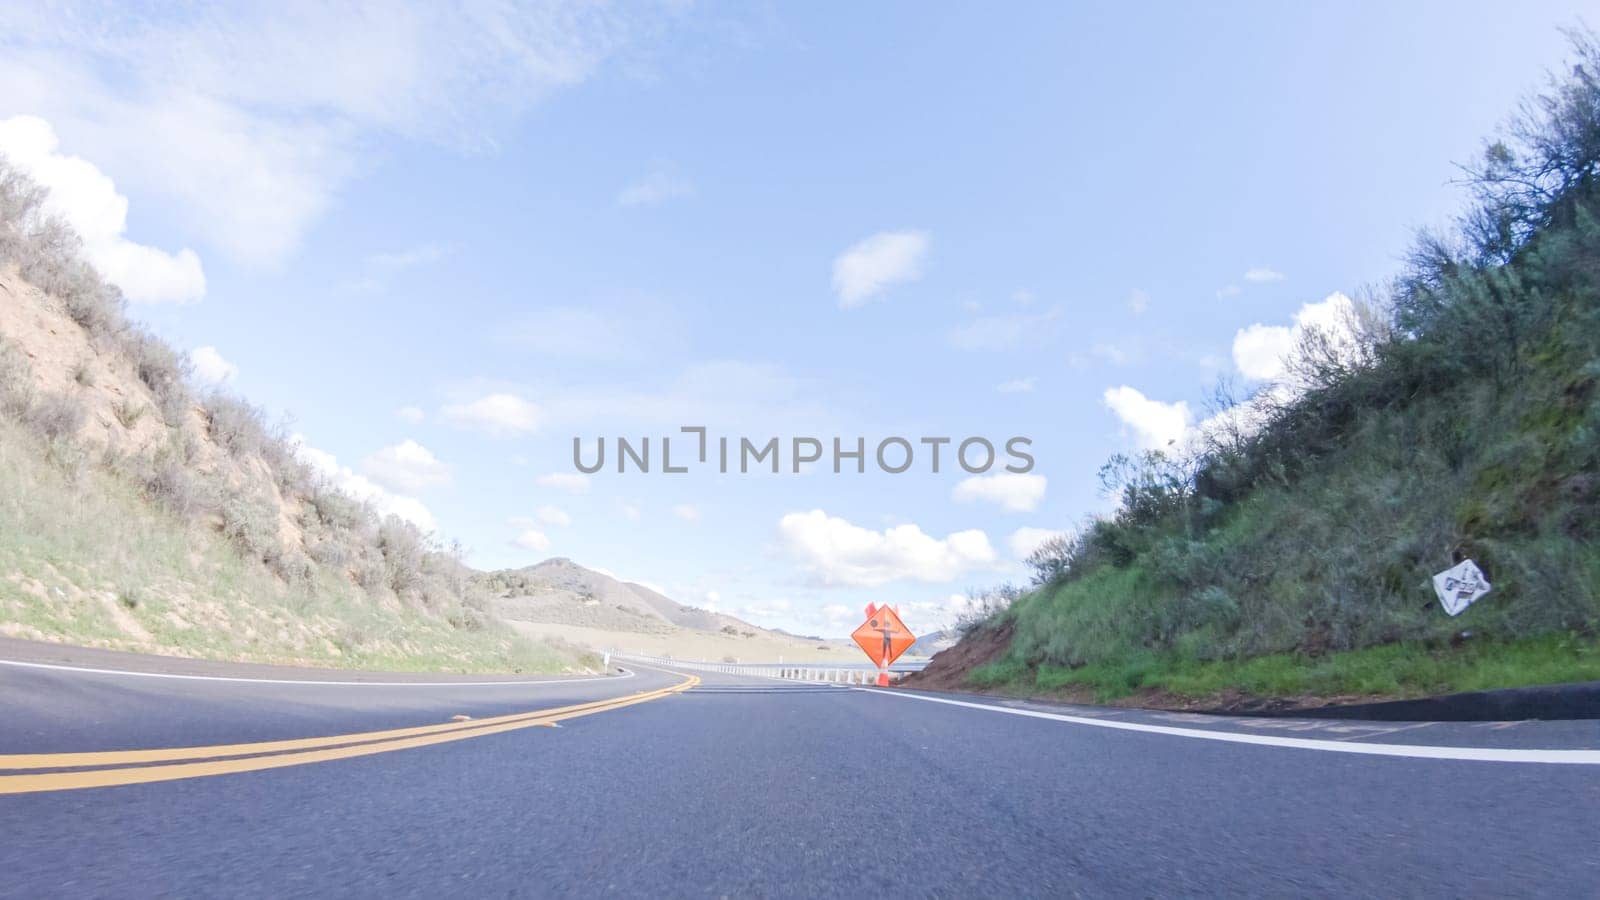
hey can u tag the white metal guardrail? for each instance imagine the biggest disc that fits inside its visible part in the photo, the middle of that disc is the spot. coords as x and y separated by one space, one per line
817 673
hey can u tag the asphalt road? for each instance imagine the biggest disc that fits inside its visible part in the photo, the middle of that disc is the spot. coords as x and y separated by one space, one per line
763 788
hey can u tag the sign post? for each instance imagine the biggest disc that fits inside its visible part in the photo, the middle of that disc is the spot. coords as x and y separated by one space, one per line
883 637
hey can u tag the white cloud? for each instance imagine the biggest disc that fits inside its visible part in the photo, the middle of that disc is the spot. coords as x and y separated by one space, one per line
1018 385
1004 332
1009 490
836 552
531 539
496 414
872 265
1116 354
553 515
1261 352
407 466
1227 290
1262 275
87 199
687 512
750 397
663 183
265 112
361 488
757 611
571 482
210 367
411 415
1138 302
383 268
838 615
629 511
1025 540
623 332
1154 424
937 614
410 258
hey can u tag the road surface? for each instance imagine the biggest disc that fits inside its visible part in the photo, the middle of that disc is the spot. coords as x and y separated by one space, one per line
730 788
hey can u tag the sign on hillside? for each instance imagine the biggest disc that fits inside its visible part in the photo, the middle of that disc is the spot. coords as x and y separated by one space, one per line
1458 587
883 637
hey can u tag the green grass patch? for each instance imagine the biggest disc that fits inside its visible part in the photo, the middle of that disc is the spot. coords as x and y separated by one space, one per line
1395 670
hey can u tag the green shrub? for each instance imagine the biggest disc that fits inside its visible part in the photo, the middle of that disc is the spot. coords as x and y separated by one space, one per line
291 566
402 549
57 416
466 618
1051 562
235 424
338 511
163 371
250 523
985 607
16 382
169 482
128 411
330 552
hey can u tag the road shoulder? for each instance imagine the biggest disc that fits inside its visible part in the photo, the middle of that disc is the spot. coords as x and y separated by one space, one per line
17 650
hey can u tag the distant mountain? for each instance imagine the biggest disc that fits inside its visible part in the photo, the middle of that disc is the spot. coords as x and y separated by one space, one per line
799 637
560 591
933 642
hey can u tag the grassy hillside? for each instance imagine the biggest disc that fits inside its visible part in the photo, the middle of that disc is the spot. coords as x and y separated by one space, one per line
1454 414
137 512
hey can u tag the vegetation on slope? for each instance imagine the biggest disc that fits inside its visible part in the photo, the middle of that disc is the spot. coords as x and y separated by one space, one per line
1454 414
135 514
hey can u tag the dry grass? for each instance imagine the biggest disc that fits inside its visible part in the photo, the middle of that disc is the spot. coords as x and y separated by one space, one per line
92 562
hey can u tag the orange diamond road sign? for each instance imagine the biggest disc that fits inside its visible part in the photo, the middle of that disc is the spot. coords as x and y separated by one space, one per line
883 636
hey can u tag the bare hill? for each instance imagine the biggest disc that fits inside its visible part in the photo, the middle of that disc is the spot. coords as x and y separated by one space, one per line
559 591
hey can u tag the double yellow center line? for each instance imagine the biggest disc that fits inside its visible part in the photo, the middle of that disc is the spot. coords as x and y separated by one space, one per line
118 767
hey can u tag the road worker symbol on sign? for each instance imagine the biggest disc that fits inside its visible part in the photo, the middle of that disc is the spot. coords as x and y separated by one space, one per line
888 635
883 637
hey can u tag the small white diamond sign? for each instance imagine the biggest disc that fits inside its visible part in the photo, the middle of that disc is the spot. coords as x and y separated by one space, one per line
1458 587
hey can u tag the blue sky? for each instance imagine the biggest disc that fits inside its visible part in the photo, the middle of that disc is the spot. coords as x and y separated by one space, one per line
445 243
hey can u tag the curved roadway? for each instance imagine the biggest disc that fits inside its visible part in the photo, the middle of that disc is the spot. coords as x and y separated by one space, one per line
725 787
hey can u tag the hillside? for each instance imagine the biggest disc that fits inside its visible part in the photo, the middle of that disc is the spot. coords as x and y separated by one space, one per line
138 513
559 598
1288 550
563 592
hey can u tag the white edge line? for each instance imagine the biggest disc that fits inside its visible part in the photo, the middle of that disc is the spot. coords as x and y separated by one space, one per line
1415 751
627 673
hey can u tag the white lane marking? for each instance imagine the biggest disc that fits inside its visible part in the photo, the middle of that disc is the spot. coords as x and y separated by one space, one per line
1415 751
626 673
